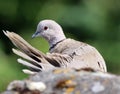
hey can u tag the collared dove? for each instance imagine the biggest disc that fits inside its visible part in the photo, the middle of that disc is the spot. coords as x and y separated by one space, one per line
63 53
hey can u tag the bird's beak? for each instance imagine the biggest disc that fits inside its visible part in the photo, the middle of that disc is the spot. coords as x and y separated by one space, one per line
35 34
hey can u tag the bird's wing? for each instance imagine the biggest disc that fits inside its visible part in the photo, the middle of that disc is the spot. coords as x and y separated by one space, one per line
58 60
24 46
34 59
26 51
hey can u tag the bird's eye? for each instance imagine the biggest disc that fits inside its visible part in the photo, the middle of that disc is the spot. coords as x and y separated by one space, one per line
45 28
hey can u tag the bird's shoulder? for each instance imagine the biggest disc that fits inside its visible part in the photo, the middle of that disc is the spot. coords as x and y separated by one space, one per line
69 46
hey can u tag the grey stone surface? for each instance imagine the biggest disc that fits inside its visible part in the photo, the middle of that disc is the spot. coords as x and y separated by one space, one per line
67 81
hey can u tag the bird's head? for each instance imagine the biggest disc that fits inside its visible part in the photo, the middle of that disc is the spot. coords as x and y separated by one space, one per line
50 30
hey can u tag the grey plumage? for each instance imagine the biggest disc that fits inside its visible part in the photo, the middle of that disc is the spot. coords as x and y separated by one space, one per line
64 52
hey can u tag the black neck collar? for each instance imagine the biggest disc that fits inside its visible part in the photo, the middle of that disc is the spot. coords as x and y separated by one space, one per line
55 44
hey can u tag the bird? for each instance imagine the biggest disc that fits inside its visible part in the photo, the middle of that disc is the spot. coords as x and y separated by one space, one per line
63 52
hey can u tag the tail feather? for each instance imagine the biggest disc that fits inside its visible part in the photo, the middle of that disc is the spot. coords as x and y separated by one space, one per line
26 71
29 65
23 55
26 57
35 68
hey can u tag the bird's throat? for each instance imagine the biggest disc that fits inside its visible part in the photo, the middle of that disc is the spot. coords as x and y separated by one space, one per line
53 42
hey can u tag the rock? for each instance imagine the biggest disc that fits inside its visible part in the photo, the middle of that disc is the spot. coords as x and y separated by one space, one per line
67 81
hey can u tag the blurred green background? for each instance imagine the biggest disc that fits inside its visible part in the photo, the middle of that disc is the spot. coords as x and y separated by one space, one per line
96 22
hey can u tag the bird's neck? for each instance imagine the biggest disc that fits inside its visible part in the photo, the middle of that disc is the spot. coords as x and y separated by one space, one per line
53 41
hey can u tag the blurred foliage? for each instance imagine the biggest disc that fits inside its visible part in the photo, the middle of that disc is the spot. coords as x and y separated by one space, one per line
96 22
